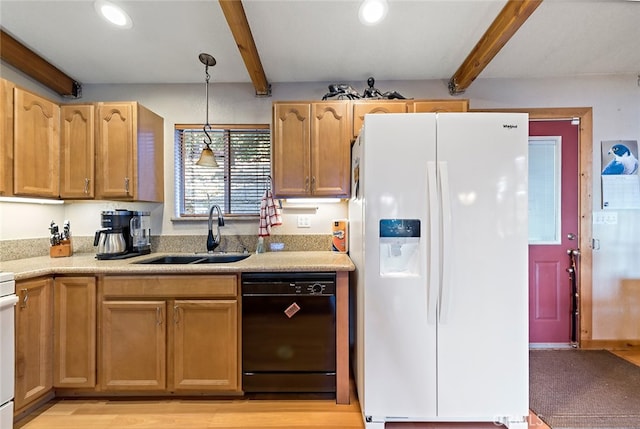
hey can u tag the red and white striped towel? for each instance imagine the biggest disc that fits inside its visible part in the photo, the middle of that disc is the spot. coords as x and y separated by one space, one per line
269 214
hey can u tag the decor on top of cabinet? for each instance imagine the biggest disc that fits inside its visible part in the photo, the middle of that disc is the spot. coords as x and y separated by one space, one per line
207 158
372 92
342 91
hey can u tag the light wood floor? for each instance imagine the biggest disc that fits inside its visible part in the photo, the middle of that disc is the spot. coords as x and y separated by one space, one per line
234 413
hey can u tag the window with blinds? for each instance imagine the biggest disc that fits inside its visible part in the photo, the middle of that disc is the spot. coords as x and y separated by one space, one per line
243 153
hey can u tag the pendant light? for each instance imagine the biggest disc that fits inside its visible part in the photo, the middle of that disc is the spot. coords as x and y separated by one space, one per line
207 157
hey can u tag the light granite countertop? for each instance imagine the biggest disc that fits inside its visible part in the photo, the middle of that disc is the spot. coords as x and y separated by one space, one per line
88 264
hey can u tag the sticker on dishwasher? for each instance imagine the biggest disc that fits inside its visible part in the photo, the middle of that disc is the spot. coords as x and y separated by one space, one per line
291 310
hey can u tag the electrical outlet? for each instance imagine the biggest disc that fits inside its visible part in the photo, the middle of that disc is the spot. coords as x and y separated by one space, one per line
304 221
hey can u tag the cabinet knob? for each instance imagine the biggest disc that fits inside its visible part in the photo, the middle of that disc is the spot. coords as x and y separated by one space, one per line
86 185
126 184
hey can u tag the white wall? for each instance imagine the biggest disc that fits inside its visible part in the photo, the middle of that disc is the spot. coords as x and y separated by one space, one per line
616 115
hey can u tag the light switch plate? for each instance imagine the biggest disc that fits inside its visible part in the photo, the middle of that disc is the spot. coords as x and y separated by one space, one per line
304 221
605 217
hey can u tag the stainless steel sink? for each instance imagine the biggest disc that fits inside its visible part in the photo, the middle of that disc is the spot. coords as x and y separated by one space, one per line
223 257
197 259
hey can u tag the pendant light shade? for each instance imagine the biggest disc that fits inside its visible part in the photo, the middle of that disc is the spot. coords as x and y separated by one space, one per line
207 157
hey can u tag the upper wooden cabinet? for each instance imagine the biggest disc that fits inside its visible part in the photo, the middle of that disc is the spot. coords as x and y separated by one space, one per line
129 149
6 137
311 141
311 149
77 154
428 106
36 145
51 151
363 107
291 148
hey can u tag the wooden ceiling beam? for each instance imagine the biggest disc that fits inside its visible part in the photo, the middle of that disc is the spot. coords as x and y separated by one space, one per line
28 62
237 20
508 21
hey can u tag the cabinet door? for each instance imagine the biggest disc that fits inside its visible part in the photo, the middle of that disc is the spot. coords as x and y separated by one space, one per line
36 147
74 332
77 151
361 108
33 341
330 149
114 145
6 137
133 345
205 345
432 106
290 149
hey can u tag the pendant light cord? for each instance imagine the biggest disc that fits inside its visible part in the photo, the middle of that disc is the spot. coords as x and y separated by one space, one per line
207 126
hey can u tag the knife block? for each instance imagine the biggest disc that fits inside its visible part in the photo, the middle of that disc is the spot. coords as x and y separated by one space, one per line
61 250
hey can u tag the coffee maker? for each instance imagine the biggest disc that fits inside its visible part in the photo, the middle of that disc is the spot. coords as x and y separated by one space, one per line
124 234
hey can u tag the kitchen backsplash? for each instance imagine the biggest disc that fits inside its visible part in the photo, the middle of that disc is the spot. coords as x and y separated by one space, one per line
28 248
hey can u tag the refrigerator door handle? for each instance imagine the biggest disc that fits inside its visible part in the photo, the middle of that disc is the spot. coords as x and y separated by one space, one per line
447 242
434 234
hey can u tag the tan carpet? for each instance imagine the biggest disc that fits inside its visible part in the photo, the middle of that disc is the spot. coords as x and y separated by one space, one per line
584 389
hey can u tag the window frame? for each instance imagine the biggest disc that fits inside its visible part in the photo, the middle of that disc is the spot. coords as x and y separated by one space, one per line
180 158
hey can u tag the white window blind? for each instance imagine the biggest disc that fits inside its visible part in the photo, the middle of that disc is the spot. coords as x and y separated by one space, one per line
243 154
544 190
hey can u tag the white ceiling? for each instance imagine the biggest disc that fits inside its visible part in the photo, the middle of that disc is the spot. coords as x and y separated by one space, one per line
323 41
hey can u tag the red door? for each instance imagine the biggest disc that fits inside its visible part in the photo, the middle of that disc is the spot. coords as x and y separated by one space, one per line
553 229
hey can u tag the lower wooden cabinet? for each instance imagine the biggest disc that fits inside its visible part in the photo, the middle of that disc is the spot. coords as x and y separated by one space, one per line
133 352
204 345
169 333
74 332
34 316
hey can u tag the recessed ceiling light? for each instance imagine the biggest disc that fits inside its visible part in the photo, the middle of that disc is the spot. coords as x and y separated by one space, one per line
113 14
372 11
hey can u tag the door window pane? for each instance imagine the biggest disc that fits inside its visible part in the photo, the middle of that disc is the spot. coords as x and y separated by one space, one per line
544 190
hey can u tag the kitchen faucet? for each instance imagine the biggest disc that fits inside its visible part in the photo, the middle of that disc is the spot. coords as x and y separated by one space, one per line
212 242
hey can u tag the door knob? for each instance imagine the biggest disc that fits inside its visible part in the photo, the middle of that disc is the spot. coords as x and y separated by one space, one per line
574 252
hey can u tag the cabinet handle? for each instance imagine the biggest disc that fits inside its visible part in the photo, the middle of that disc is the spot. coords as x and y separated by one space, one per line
313 183
126 185
176 315
25 298
86 185
158 316
306 184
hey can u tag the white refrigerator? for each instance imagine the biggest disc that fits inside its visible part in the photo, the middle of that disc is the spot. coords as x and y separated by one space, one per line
438 234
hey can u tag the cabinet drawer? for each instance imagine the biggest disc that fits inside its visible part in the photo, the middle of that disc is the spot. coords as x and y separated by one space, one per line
170 286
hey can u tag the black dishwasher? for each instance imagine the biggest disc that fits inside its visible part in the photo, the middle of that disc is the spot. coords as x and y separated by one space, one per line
289 332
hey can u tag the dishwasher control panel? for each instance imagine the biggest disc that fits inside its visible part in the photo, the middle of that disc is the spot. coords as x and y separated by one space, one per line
288 284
